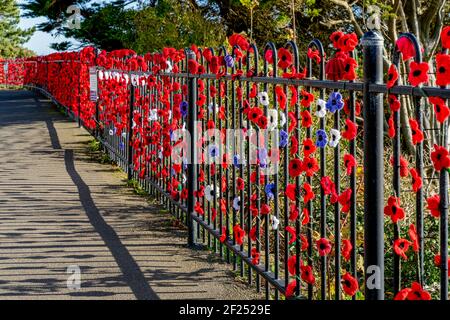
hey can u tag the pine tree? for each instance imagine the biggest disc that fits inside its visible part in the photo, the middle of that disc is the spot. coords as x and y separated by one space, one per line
12 37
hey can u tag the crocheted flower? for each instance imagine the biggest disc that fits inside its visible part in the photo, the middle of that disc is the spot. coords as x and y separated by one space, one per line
307 98
418 73
292 234
349 163
440 109
274 221
392 76
416 181
262 157
270 189
284 58
335 102
263 98
440 158
213 151
350 130
307 193
321 138
184 108
417 134
323 246
284 138
210 192
272 119
335 137
349 284
401 247
394 210
229 61
306 119
445 37
310 166
442 69
321 108
394 103
347 249
405 46
308 147
239 234
295 167
433 205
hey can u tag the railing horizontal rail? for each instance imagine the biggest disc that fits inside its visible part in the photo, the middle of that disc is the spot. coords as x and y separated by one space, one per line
319 84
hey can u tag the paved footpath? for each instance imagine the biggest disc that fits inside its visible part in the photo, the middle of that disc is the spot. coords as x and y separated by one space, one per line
58 208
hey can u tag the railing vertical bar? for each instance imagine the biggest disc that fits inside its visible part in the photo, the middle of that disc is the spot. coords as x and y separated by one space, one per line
372 44
192 167
214 177
337 214
208 118
129 134
352 150
201 166
297 134
443 208
222 53
232 144
240 163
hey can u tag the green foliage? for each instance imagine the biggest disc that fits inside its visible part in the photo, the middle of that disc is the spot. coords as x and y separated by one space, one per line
53 10
174 24
61 46
96 152
12 37
135 185
107 26
153 24
94 145
250 4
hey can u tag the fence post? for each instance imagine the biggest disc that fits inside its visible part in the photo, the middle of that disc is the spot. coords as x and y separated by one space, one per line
97 120
79 97
192 165
372 44
130 134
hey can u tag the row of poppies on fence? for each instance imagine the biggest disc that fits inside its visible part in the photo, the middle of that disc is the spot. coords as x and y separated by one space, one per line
162 108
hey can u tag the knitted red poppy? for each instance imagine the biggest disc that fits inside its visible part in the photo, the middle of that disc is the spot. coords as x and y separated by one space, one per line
440 158
394 210
284 58
442 69
418 73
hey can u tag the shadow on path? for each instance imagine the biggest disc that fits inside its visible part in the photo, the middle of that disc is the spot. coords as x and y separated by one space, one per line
51 129
130 270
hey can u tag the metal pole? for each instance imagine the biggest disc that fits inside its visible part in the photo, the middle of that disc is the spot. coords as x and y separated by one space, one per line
130 134
97 120
192 166
443 209
79 97
373 168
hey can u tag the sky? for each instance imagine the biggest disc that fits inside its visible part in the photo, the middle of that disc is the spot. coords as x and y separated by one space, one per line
40 41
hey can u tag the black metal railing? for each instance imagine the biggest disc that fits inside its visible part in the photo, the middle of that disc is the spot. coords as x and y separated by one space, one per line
302 231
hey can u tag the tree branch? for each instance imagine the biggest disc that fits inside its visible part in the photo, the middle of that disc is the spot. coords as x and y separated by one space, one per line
403 18
427 17
433 42
392 22
352 17
430 39
412 16
331 24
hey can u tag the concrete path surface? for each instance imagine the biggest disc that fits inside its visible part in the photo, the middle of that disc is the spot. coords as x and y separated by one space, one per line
61 212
